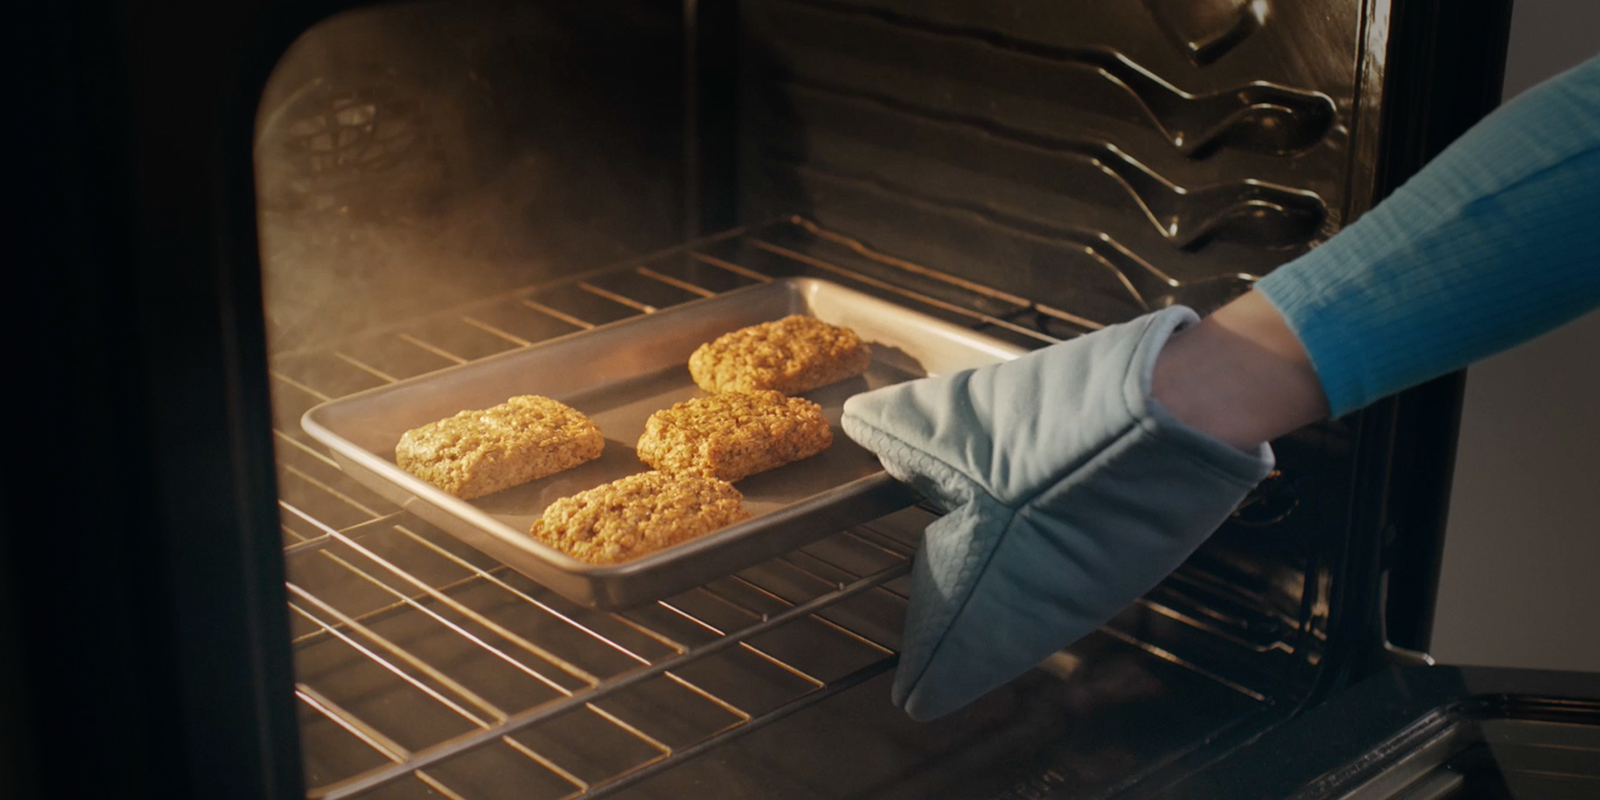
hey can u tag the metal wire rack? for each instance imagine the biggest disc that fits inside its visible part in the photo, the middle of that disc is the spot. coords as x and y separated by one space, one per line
425 668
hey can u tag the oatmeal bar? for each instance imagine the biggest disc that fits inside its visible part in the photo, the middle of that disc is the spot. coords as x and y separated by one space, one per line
476 453
734 434
640 514
791 355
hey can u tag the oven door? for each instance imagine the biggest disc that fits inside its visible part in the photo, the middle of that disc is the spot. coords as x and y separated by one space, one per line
1427 732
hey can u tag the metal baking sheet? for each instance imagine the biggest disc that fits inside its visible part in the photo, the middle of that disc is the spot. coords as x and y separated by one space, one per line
619 374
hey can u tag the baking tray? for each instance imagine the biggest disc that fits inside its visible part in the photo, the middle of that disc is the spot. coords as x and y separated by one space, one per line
621 373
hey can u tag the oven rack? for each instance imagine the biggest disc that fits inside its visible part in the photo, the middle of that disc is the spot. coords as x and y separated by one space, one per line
343 542
406 640
412 594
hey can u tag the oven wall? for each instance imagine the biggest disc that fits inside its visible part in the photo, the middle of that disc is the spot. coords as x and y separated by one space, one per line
415 156
1059 150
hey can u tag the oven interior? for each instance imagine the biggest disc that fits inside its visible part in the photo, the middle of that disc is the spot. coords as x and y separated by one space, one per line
438 183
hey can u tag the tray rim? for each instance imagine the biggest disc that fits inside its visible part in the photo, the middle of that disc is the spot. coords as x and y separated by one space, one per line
421 490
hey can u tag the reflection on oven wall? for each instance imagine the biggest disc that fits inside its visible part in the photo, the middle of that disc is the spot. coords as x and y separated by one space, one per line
412 157
1079 156
1523 543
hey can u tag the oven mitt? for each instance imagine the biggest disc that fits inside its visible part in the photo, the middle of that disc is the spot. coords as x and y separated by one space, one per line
1070 492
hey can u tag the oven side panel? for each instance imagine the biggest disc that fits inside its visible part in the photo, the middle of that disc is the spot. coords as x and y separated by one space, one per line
139 506
415 156
1066 152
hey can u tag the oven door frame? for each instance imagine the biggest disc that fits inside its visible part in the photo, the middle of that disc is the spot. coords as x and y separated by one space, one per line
143 613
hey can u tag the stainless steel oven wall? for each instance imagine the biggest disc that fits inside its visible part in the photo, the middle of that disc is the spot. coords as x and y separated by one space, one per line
413 156
1067 152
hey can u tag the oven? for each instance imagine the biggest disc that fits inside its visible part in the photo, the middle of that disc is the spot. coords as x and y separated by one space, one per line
238 214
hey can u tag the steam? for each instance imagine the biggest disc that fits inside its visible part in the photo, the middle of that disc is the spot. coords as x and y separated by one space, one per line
415 157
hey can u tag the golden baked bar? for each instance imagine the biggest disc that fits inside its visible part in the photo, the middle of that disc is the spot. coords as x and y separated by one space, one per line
734 434
639 514
791 355
476 453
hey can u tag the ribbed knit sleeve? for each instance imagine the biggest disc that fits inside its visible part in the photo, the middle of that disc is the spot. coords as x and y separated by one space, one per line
1492 243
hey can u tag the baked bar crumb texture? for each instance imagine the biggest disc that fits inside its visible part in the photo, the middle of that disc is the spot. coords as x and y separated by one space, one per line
477 453
791 355
637 515
734 434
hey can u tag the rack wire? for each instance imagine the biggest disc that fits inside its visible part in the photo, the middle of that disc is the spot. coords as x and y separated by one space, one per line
424 666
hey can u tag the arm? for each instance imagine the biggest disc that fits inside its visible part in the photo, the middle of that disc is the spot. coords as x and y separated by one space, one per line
1240 375
1494 242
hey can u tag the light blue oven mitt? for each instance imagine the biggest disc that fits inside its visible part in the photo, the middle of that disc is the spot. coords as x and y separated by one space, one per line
1069 493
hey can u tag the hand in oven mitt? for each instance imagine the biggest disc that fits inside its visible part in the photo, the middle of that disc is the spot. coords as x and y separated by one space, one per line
1070 492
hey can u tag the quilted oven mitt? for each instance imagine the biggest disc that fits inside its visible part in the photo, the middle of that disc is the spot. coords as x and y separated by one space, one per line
1070 492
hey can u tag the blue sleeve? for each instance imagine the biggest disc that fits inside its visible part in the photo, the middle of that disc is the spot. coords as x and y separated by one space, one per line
1494 242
